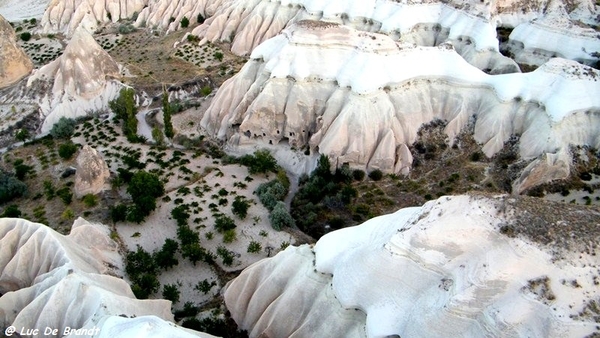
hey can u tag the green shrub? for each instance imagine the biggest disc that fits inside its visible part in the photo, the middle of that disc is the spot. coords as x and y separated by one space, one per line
224 223
376 175
204 286
22 135
165 257
118 213
171 292
90 200
65 195
11 211
229 236
219 56
63 129
280 217
10 187
25 36
358 174
144 188
185 22
226 255
260 162
21 170
205 91
254 247
271 192
66 150
240 207
200 18
145 285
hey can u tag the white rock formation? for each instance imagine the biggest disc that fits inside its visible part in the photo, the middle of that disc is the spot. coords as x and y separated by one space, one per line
92 173
469 25
361 97
83 79
14 63
18 10
158 13
554 35
56 281
442 270
66 16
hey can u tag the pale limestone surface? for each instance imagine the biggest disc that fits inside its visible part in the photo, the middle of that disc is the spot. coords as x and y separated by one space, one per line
92 174
56 281
441 270
14 63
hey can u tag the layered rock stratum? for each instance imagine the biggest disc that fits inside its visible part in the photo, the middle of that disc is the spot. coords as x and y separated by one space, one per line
361 98
14 63
56 281
68 15
82 80
547 26
463 266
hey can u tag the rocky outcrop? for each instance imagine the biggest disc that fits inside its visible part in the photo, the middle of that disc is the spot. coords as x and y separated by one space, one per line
248 23
83 79
56 281
361 98
158 13
554 35
460 266
92 173
68 15
14 63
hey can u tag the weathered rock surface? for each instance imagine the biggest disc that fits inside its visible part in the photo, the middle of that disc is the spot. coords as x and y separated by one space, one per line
83 80
68 15
92 173
463 266
158 13
51 280
361 98
14 63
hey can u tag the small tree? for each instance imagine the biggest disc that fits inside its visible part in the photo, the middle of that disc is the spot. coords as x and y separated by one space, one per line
204 286
66 150
63 129
144 189
11 211
185 22
376 175
280 217
22 135
158 136
165 257
254 247
240 206
224 223
167 115
171 292
10 187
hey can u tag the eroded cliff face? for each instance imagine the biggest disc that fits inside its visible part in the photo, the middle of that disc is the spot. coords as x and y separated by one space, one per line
14 63
83 79
464 266
469 25
51 280
361 98
67 15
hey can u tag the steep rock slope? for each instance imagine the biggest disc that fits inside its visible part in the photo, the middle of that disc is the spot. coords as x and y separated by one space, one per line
361 97
555 34
14 63
469 25
67 15
460 266
247 23
158 13
83 79
51 280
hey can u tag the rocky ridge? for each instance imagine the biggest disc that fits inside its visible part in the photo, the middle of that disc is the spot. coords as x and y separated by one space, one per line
452 267
361 97
83 79
51 280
